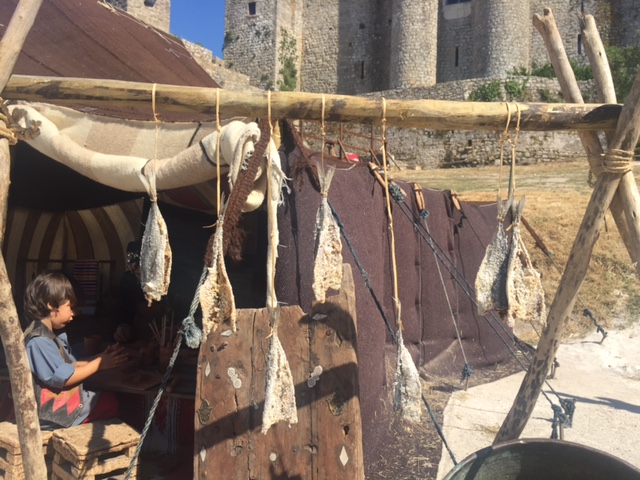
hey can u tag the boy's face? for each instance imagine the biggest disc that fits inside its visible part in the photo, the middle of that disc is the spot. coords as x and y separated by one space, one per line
62 316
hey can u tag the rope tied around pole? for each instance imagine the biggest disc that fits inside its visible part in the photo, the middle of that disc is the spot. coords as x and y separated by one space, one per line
614 161
12 130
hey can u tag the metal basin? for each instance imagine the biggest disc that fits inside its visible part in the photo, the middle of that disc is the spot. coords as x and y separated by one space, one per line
542 459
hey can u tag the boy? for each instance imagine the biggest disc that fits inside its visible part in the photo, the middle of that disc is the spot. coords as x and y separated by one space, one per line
57 376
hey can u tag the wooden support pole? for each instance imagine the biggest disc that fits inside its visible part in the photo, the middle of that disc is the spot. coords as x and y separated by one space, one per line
627 193
625 138
429 114
24 402
626 200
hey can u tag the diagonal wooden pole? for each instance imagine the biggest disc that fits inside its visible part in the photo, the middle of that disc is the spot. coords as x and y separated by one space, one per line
624 140
19 372
626 201
628 188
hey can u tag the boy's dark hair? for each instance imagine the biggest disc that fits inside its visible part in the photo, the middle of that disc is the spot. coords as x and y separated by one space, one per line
51 287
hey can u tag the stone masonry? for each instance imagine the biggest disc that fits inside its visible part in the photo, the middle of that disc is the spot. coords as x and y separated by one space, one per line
430 49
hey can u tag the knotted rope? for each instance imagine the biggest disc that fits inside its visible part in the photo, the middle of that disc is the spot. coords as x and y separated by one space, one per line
614 161
11 129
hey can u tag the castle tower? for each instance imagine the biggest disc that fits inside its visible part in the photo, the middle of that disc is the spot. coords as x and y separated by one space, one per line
414 38
262 40
502 36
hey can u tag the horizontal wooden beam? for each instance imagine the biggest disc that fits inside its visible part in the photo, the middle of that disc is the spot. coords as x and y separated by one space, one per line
427 114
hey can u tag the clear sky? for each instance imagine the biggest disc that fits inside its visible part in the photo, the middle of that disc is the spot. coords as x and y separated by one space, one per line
199 21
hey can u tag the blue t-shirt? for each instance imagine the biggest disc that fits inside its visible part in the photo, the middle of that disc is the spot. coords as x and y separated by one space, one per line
50 368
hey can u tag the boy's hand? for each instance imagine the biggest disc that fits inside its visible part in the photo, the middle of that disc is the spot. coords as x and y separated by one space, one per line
113 356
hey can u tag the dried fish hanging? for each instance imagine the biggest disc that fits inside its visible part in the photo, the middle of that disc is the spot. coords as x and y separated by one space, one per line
279 399
407 396
327 266
155 253
491 280
525 295
216 294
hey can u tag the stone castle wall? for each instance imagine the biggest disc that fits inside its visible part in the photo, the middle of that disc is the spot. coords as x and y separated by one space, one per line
158 15
414 44
364 46
423 149
250 41
215 67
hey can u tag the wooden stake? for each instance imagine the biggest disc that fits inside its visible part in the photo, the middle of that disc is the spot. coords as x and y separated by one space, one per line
626 201
625 138
24 402
430 114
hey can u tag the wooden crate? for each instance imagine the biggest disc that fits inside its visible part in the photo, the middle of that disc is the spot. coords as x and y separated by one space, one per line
91 449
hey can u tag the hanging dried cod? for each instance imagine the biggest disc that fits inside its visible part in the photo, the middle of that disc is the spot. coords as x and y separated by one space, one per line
492 275
407 397
216 295
155 253
279 397
327 267
525 295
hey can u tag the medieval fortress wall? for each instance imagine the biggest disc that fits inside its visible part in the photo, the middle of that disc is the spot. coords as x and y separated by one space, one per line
436 49
361 46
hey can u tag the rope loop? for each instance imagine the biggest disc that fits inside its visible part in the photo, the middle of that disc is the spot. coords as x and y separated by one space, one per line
11 129
614 161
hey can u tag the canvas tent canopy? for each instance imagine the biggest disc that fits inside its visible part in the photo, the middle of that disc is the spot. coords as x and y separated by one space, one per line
76 195
72 210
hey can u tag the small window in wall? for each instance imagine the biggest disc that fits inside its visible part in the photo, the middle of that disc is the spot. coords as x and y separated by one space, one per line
579 44
457 56
451 2
252 8
361 70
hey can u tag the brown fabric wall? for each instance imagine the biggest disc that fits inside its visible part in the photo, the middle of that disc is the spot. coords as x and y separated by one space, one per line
429 333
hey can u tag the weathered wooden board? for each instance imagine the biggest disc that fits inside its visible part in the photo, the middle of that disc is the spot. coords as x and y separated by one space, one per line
326 443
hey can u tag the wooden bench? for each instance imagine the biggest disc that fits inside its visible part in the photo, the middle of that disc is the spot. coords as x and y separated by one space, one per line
11 467
93 449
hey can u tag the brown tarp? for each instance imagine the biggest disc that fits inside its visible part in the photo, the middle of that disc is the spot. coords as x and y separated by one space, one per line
429 330
91 39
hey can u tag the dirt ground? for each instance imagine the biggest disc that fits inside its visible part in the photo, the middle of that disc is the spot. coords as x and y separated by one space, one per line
604 378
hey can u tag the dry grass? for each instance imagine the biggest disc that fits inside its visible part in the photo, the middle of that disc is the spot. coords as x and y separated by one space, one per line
556 199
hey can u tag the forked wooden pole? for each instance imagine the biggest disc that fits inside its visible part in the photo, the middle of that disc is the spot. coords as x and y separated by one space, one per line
625 139
626 201
10 331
